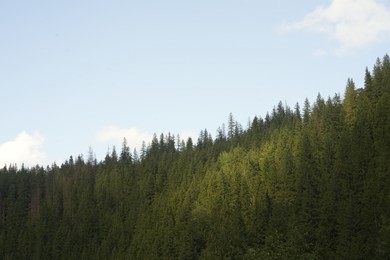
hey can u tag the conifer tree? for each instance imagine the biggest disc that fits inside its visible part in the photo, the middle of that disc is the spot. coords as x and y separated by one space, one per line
125 151
306 111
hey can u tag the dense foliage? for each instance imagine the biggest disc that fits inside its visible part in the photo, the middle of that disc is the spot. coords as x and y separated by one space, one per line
310 184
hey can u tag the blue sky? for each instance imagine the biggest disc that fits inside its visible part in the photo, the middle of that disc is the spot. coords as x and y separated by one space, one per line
81 73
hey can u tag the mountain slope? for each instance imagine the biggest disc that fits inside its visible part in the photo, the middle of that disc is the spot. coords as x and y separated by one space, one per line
295 185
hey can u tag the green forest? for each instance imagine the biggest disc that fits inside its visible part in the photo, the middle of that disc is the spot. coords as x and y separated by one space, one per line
308 182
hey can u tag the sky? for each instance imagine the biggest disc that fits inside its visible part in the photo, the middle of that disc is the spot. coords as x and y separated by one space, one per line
80 74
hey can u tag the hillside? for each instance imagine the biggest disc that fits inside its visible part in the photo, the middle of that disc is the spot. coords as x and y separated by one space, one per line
310 183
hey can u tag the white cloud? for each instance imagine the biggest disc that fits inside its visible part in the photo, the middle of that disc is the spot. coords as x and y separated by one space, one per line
25 148
186 134
354 24
134 136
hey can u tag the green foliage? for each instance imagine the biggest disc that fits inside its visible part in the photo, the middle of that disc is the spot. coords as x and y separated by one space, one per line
314 185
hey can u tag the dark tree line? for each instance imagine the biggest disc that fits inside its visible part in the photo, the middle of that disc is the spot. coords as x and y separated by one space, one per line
297 184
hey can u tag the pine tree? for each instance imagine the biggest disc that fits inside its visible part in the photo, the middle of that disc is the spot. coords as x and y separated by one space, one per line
125 151
350 103
231 126
306 111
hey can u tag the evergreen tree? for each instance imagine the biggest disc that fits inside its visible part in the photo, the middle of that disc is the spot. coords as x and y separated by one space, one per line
231 126
125 152
306 111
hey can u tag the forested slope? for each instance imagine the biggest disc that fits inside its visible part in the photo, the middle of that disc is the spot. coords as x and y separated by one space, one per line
310 183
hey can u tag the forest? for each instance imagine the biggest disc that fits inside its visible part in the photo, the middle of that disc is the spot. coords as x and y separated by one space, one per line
300 183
